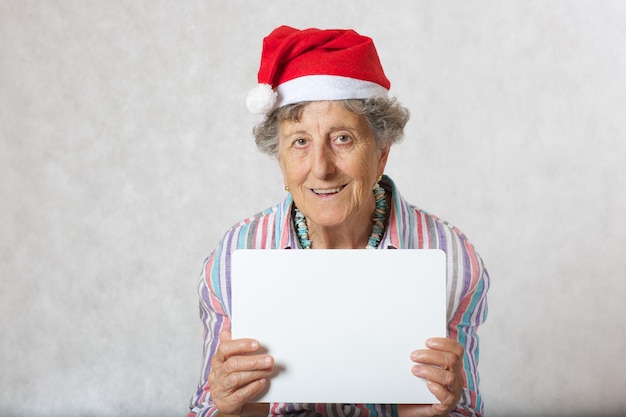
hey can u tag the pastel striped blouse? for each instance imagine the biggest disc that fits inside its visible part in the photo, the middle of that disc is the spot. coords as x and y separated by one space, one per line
408 227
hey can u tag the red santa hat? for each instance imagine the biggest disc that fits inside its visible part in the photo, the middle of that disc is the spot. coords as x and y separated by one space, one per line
313 64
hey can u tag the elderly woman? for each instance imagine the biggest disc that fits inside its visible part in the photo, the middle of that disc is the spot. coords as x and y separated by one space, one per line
330 124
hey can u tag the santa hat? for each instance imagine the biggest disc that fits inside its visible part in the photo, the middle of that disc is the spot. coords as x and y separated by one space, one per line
313 64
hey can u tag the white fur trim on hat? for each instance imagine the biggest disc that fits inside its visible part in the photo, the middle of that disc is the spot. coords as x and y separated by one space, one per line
261 99
326 87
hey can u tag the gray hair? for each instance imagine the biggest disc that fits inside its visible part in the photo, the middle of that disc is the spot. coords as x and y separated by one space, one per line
386 118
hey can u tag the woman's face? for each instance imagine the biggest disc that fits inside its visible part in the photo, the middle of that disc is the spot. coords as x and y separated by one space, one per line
330 162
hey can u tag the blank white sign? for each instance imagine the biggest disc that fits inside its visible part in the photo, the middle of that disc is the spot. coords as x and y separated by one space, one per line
341 324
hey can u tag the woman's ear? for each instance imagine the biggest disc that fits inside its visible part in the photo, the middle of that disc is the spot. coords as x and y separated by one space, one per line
382 159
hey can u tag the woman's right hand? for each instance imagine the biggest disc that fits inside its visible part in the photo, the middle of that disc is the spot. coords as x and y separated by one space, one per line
239 372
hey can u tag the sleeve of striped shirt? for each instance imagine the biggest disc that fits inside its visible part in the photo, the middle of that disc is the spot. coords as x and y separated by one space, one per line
214 316
469 313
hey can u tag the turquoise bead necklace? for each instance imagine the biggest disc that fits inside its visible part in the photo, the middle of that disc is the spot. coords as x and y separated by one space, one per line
378 222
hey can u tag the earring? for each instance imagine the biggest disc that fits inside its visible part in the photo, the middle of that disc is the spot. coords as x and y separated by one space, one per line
380 177
287 188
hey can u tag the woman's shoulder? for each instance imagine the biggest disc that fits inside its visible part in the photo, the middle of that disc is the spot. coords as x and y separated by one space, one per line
442 231
261 217
421 228
258 230
434 219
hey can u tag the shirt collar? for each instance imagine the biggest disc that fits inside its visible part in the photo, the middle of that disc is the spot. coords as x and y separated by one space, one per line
287 233
393 238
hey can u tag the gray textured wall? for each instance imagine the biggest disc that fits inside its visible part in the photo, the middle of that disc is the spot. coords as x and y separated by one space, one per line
125 153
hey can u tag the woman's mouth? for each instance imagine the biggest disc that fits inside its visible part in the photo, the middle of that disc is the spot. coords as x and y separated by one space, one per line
326 191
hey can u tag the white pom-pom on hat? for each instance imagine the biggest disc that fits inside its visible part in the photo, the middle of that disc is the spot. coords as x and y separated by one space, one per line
261 99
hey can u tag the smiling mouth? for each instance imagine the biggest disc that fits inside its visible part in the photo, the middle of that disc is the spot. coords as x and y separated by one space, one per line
327 191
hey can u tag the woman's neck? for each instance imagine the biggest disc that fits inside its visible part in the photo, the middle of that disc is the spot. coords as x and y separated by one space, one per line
352 234
340 238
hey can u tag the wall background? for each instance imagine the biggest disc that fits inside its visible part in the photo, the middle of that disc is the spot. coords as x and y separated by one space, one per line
125 153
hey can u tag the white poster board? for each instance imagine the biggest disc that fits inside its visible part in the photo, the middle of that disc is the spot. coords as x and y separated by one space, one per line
341 324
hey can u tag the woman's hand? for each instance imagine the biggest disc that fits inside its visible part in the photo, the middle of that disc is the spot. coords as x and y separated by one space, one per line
239 372
441 365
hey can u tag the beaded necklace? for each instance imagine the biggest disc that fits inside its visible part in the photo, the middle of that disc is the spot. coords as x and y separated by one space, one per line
378 222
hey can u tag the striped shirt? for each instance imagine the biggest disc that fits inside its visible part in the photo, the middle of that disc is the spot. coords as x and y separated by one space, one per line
408 228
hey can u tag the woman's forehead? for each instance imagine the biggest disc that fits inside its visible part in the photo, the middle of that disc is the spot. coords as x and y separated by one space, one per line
326 114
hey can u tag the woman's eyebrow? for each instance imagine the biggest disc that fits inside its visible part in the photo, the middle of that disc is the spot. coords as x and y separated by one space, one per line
295 132
302 131
342 127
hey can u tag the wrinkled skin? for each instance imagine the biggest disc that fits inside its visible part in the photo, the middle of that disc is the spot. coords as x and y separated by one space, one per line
239 372
441 365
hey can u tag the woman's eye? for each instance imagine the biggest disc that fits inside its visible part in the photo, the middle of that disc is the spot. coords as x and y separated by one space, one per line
343 139
299 142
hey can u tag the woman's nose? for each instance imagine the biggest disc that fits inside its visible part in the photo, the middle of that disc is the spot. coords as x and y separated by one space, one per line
323 163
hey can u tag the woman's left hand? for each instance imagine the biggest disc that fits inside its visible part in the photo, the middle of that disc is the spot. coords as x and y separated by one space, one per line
441 365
